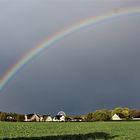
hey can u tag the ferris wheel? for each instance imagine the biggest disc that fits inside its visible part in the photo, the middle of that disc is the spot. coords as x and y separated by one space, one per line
62 113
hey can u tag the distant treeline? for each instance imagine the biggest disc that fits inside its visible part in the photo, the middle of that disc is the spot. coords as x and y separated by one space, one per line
106 115
13 117
98 115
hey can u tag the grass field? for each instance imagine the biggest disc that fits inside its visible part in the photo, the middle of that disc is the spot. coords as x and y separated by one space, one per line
70 131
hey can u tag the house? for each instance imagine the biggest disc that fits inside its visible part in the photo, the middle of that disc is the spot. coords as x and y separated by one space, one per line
78 119
59 118
116 117
41 118
32 118
136 118
10 118
47 118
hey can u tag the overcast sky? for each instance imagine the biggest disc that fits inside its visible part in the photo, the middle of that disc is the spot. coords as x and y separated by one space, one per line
95 68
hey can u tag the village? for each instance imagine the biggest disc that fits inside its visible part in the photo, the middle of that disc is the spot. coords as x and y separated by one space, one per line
64 118
117 114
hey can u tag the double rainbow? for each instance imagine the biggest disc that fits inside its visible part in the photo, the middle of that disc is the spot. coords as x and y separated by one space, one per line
30 55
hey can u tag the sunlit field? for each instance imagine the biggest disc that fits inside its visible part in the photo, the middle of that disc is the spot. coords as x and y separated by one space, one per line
71 131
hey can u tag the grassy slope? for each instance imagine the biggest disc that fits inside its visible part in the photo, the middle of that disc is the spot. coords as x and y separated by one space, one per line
61 131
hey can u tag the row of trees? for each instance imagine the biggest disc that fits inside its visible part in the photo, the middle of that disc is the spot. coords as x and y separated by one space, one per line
106 115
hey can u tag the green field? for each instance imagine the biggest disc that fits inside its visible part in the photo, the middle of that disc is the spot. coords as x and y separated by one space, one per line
70 131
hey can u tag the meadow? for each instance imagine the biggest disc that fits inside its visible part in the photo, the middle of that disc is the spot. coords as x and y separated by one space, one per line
70 131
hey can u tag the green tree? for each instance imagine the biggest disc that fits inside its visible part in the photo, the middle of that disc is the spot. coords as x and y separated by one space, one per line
119 110
89 116
101 115
2 116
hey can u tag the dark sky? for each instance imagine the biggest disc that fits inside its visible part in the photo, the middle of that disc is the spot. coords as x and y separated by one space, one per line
95 68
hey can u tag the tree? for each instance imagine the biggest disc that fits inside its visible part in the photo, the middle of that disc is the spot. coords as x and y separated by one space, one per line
89 116
20 118
2 116
134 113
101 115
119 110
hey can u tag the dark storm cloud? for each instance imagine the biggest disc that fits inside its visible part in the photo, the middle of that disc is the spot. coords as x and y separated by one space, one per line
97 67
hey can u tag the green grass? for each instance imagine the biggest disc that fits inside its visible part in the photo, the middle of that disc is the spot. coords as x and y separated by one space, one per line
70 131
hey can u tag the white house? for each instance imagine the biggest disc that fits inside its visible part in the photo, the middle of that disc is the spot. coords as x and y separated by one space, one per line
10 118
59 118
41 119
116 117
136 118
48 119
32 117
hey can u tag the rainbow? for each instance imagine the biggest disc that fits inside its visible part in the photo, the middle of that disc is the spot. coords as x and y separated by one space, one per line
27 58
